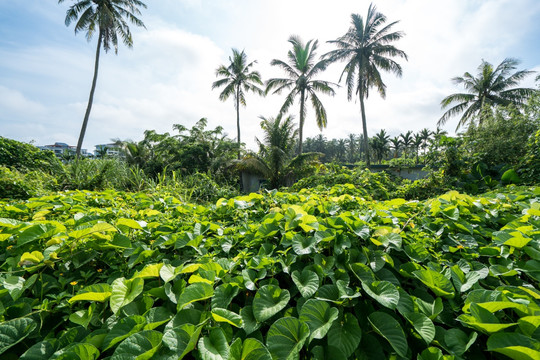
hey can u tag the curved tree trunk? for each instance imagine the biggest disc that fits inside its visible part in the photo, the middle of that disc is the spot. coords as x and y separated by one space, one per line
301 127
90 99
364 125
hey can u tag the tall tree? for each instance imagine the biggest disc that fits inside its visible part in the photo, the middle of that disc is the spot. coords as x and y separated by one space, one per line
395 145
110 18
367 49
238 79
407 141
379 144
302 69
490 87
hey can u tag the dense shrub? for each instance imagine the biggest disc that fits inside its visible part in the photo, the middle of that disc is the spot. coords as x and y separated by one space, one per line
21 156
18 185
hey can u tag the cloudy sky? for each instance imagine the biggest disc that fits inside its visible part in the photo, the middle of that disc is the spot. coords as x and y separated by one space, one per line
46 70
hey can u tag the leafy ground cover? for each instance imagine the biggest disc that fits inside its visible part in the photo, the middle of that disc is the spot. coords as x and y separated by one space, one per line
323 275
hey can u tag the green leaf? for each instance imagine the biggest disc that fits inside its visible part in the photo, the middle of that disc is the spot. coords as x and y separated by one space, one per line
286 337
437 282
248 319
83 317
386 326
227 316
515 346
14 285
124 291
384 292
122 329
223 295
35 257
483 320
529 324
140 346
423 325
149 271
268 301
345 335
307 282
214 346
431 353
14 331
304 245
195 292
319 316
157 316
32 233
80 351
458 342
251 349
130 223
95 292
42 350
182 339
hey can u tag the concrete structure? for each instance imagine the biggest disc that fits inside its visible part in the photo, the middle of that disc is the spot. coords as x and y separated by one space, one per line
112 150
60 148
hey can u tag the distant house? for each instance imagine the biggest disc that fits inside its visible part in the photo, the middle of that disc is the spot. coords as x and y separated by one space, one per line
60 148
111 150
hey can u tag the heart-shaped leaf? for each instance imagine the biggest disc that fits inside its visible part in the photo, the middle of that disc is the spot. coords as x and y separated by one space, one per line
306 281
268 301
286 337
388 327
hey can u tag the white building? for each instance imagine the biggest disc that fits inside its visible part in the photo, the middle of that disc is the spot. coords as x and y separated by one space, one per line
59 148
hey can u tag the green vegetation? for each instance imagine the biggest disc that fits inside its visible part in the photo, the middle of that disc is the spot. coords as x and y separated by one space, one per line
315 274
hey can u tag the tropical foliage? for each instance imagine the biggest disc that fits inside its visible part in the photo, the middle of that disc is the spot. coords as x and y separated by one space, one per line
238 79
489 88
302 68
110 19
367 49
89 275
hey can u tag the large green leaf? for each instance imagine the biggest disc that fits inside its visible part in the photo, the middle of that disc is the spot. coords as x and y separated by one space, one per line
286 337
268 301
386 326
515 346
223 295
251 349
140 346
483 320
79 351
195 292
249 322
303 245
95 292
14 331
124 291
214 346
437 282
182 339
227 316
345 335
42 350
122 329
384 292
319 316
423 325
458 342
306 281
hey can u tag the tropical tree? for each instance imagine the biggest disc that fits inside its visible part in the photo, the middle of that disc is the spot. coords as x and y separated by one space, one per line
425 133
395 145
491 87
366 48
238 79
407 141
275 160
302 68
110 18
379 144
351 143
416 144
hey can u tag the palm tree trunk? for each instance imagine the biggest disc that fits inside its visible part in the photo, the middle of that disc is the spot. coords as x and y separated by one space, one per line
90 99
301 127
364 125
238 119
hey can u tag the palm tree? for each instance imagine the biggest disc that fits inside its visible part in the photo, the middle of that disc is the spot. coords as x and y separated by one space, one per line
379 144
417 143
426 136
275 159
351 142
395 144
491 87
406 141
237 79
366 48
302 70
108 17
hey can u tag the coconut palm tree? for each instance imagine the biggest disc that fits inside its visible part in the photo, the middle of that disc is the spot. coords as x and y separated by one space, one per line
406 141
108 18
490 87
367 49
395 145
302 68
238 79
425 133
275 160
379 144
416 144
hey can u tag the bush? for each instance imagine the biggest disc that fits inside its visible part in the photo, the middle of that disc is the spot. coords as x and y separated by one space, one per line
24 157
18 185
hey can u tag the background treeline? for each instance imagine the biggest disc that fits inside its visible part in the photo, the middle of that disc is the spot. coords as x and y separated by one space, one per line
201 164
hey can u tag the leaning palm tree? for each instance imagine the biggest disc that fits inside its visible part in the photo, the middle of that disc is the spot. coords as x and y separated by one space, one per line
238 79
108 17
490 87
302 69
275 160
367 49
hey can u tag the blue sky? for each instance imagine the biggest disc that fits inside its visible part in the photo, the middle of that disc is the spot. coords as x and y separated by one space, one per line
46 70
